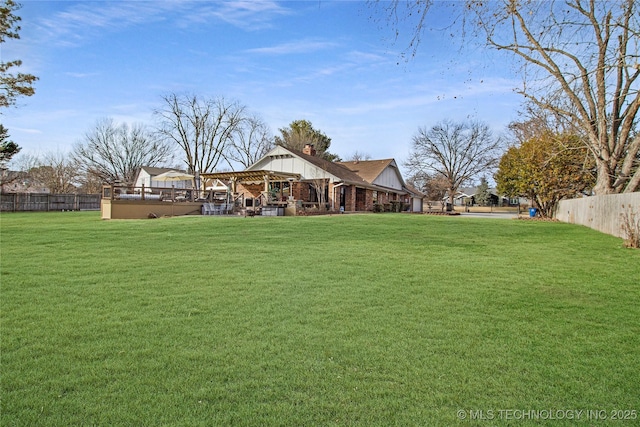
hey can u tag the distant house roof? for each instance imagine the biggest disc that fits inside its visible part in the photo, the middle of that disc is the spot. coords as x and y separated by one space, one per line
414 191
470 192
332 169
467 191
336 169
369 170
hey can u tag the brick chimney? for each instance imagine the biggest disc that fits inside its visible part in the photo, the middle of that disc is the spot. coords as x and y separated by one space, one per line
309 150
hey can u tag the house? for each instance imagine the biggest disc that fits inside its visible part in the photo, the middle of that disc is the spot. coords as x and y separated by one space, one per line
467 197
386 176
20 182
146 174
416 198
284 181
286 177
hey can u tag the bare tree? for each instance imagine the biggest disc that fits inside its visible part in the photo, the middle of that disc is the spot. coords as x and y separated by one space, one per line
89 183
536 122
397 13
320 183
115 152
583 63
456 151
320 186
358 156
433 186
202 128
57 172
251 141
580 62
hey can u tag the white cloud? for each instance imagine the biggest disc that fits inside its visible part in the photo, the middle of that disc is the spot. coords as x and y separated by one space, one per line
247 15
389 104
71 26
366 57
27 130
431 93
80 75
301 46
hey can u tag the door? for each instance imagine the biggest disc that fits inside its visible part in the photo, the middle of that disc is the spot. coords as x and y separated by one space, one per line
361 199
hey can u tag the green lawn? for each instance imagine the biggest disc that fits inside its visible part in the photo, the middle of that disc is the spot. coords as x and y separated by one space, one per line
370 320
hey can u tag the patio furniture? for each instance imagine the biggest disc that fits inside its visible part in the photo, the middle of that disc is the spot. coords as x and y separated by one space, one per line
217 209
207 208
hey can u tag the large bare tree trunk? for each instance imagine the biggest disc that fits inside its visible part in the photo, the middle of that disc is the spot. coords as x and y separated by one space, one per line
603 178
580 61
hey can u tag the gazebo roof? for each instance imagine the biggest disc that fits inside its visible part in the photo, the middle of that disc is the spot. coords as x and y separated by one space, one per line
251 176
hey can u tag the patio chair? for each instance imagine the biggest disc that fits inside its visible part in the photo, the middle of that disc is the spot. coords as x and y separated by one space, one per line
206 209
216 209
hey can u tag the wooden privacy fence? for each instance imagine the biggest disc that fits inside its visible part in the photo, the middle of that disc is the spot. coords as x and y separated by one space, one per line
43 202
602 213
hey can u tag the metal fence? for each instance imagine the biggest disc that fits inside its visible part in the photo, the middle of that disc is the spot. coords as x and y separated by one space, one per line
44 202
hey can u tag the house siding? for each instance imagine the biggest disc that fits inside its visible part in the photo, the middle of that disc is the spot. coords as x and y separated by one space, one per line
145 179
389 179
282 161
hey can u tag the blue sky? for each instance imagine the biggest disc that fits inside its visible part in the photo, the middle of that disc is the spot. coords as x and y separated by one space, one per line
323 61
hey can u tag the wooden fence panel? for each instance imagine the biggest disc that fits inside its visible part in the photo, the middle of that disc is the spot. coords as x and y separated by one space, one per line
602 213
7 202
62 202
42 202
86 202
31 202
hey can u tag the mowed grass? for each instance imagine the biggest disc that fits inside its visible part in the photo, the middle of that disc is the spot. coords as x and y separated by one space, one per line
371 320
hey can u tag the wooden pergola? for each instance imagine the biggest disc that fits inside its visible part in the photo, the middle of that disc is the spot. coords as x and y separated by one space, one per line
250 176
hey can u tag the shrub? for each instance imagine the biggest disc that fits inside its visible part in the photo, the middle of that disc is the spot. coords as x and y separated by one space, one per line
631 228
